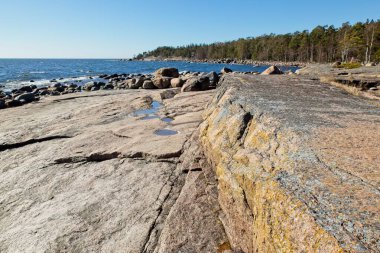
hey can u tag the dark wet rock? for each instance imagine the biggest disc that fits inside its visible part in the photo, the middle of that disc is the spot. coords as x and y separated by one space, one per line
26 97
226 70
2 104
272 70
55 93
109 86
88 86
168 72
53 80
177 82
148 84
162 82
13 103
214 78
95 88
196 84
26 88
137 83
167 94
32 81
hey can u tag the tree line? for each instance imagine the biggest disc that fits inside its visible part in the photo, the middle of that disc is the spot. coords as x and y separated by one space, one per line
358 42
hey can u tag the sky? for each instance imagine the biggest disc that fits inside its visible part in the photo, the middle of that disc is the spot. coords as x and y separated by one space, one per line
124 28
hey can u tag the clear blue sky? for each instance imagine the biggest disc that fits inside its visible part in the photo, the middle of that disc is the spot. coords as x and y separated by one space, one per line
122 28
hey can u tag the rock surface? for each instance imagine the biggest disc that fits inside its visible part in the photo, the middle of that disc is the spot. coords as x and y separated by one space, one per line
272 70
297 164
87 173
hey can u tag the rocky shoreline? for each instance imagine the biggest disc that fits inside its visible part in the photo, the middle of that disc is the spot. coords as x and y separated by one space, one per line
193 162
162 79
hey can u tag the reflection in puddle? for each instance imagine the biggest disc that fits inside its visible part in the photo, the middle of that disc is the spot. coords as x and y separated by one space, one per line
167 119
152 110
165 132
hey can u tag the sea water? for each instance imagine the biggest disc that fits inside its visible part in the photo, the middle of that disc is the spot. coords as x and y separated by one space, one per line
15 73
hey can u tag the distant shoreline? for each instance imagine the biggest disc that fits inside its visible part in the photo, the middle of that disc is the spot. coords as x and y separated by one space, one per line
225 61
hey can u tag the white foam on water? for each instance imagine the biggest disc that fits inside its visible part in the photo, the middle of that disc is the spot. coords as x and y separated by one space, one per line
42 82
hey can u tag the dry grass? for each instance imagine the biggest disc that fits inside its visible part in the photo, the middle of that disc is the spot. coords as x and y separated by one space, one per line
349 65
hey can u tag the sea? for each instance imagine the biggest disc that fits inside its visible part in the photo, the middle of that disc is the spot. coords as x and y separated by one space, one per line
15 73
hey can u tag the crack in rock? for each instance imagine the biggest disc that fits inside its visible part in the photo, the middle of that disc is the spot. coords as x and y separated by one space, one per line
4 147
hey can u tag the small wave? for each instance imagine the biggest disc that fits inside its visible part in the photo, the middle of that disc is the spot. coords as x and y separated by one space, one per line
37 72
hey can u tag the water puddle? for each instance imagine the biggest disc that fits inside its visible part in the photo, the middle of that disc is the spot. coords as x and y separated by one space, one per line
152 113
167 119
165 132
152 110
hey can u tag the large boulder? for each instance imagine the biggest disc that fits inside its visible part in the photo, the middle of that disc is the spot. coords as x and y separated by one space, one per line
214 78
162 82
169 72
272 70
148 84
26 97
26 88
135 83
196 84
177 82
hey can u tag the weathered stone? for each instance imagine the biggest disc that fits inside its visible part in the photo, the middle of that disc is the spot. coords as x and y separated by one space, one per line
214 78
296 172
196 84
79 174
272 70
162 82
176 82
26 97
168 72
136 83
148 84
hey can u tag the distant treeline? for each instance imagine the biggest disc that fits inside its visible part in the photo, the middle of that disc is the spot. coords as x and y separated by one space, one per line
360 42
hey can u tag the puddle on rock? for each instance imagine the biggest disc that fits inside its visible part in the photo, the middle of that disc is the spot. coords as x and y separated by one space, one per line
165 132
167 119
152 110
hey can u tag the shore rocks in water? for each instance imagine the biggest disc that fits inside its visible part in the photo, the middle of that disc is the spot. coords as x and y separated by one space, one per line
226 70
214 78
272 70
196 84
168 72
26 98
161 79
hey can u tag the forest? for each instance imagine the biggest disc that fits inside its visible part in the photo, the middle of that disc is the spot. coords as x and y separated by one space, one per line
358 42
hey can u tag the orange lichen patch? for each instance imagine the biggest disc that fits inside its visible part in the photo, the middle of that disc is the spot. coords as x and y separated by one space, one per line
224 247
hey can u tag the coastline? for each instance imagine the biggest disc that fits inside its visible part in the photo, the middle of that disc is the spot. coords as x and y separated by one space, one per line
224 61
